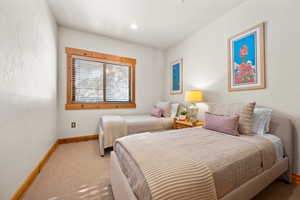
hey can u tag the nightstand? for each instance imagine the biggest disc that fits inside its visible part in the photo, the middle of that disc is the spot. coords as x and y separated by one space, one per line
178 124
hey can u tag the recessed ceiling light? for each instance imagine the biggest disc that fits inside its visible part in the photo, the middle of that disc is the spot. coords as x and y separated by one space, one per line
134 27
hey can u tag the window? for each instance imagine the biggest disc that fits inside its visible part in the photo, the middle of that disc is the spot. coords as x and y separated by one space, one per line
97 80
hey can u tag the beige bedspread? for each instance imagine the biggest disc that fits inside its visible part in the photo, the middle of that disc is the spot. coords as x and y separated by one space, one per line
153 162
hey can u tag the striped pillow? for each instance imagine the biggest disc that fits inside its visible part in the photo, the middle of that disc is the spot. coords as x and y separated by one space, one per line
245 111
246 119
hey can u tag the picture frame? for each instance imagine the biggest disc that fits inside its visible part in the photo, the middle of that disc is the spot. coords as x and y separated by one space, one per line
176 71
246 59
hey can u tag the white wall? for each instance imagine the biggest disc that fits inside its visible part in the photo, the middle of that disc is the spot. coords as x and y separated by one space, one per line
28 52
149 79
205 57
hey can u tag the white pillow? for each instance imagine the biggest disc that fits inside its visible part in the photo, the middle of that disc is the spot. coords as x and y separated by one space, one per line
165 106
261 120
174 109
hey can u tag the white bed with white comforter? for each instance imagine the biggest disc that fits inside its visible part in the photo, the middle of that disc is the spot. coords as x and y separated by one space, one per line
112 127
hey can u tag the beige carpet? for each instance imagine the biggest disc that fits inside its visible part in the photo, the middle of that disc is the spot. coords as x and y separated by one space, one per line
75 171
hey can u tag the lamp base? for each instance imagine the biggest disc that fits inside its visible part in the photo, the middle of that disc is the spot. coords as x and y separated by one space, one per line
193 119
193 111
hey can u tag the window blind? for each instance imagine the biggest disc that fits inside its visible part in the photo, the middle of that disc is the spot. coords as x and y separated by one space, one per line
88 81
96 82
117 83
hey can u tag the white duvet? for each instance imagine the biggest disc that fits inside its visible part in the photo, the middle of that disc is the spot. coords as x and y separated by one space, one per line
114 127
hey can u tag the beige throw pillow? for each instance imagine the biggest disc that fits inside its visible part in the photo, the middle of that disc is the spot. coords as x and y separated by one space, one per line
244 110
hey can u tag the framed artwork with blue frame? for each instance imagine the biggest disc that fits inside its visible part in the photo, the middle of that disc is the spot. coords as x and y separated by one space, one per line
246 60
176 77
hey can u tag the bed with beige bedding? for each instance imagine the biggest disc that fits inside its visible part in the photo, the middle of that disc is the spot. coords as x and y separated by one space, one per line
112 127
198 163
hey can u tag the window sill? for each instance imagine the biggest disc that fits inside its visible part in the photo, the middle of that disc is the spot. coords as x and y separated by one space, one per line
98 106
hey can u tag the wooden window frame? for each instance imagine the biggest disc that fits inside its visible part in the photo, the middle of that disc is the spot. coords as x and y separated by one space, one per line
101 57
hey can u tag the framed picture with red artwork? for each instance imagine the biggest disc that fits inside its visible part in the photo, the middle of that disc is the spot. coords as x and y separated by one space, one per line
246 60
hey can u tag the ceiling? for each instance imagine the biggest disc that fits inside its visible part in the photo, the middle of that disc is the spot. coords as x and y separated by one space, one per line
162 23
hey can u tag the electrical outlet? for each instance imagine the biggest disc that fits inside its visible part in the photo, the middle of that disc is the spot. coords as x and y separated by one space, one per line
73 124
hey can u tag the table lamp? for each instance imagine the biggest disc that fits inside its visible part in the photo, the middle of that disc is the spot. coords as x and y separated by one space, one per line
193 96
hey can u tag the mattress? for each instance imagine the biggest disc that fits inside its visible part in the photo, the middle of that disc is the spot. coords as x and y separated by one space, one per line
225 179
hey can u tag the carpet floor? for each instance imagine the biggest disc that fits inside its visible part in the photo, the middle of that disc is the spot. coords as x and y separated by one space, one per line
75 171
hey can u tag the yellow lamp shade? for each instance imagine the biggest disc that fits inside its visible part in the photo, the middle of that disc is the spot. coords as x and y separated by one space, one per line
194 96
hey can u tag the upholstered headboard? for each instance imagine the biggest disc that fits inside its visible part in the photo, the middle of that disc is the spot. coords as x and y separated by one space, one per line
282 127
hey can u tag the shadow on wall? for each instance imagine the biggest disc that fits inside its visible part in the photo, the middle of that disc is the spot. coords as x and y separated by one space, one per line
296 148
212 96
